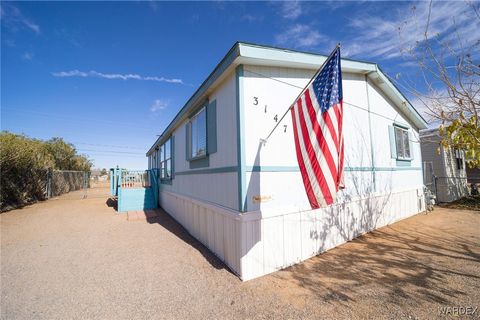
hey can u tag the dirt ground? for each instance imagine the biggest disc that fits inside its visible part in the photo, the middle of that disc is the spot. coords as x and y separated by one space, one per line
74 258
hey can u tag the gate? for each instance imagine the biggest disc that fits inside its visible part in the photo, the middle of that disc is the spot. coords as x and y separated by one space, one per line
429 179
135 189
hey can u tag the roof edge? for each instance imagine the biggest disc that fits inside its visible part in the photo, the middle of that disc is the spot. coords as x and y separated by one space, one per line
240 48
231 55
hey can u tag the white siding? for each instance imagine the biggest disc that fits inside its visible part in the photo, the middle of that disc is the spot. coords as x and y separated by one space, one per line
284 191
219 188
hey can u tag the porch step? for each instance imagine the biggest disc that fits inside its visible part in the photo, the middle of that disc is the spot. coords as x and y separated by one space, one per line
136 199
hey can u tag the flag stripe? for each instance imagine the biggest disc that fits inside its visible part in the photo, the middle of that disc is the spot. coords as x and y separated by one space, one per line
313 157
311 174
320 137
306 181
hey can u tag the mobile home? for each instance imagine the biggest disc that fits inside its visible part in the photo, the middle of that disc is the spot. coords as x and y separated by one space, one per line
245 200
447 166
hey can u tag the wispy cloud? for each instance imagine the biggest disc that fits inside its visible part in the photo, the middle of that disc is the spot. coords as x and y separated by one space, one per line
251 17
300 36
13 18
114 76
291 9
159 104
386 35
27 56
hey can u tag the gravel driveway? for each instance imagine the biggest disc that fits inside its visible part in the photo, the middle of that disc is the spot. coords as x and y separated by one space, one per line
70 258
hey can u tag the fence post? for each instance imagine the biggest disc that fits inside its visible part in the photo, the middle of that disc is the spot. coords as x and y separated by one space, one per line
119 198
48 186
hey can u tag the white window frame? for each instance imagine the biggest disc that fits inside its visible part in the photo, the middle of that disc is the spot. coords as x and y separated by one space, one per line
164 161
400 145
193 154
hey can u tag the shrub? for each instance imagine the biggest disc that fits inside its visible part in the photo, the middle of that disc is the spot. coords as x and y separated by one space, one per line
24 165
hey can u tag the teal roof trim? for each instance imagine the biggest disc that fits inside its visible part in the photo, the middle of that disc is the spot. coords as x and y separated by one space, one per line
246 50
227 60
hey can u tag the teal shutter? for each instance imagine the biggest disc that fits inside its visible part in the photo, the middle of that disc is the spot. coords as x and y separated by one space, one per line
172 156
212 127
187 141
410 144
393 146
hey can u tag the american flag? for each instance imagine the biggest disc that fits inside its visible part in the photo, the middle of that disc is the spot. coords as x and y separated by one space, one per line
317 125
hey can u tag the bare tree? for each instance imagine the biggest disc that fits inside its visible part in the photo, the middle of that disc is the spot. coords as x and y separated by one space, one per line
449 69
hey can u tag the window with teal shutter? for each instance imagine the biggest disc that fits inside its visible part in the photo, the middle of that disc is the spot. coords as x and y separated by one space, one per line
400 143
201 136
198 135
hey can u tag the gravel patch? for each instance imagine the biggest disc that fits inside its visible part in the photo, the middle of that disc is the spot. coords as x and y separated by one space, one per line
77 259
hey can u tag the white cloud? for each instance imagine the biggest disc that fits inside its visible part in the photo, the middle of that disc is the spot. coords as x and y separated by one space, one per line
386 35
300 36
27 56
13 18
159 104
291 9
114 76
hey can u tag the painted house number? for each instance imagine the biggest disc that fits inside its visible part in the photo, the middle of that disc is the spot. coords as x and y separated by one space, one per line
255 103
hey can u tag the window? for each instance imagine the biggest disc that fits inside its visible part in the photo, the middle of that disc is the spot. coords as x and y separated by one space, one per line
402 143
165 154
459 159
198 135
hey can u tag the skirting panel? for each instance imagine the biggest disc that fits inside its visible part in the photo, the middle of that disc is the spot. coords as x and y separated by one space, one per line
253 244
214 226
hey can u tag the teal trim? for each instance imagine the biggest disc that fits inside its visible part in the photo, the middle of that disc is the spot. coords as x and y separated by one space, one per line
401 125
393 145
421 122
352 169
212 127
403 163
207 171
199 162
187 141
398 169
242 205
372 153
172 156
194 110
166 181
271 169
347 169
119 192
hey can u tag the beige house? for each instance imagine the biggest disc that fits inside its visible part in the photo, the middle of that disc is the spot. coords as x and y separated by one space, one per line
444 168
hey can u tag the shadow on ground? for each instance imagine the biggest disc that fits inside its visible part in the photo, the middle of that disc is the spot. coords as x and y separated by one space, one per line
417 261
112 203
166 221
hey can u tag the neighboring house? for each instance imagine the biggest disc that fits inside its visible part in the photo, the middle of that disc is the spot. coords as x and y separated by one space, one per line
246 201
473 175
444 167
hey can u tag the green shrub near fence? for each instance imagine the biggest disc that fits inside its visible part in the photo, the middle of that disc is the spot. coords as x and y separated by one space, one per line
25 163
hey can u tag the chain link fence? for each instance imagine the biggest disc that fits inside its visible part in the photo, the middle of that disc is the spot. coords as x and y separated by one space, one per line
64 181
22 187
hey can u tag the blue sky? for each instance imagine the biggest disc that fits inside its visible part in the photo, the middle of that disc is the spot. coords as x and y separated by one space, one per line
110 76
